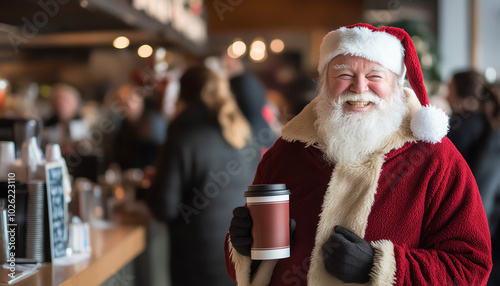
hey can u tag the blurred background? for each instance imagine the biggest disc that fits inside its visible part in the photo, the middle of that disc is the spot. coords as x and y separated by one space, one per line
101 77
96 46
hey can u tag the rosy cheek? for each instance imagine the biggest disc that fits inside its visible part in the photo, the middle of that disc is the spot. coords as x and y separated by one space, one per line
381 90
338 88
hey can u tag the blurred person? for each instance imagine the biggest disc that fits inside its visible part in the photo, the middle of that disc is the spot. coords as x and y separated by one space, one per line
276 112
206 163
65 126
250 94
475 131
140 130
378 194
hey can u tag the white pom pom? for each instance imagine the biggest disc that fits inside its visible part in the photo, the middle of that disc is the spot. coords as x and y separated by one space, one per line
429 124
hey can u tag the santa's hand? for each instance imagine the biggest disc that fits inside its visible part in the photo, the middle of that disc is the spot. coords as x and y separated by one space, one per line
240 231
348 257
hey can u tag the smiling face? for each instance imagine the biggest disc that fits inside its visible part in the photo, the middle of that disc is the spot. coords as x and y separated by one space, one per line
360 105
350 76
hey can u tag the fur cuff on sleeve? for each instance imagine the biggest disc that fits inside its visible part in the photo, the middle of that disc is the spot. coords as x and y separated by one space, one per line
384 264
242 267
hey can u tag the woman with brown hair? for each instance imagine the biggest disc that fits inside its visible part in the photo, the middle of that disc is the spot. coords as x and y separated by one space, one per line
205 167
475 131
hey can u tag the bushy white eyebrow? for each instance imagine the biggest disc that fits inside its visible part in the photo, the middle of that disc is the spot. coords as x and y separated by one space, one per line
346 67
341 67
379 69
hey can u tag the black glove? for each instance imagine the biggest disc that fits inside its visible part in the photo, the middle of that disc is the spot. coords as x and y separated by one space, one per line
240 230
348 257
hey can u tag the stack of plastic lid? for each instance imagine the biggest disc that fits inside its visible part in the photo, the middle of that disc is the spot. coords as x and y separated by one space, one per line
21 219
12 183
37 233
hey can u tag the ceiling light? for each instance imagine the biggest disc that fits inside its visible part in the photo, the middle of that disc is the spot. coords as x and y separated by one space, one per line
230 52
258 51
121 42
145 51
277 46
239 48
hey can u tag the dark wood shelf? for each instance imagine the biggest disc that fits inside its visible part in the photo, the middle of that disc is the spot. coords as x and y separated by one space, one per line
94 17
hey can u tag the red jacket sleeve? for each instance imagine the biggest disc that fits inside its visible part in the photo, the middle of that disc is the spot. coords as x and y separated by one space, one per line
455 245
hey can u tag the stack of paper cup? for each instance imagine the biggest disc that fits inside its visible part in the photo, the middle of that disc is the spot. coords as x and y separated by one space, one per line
37 234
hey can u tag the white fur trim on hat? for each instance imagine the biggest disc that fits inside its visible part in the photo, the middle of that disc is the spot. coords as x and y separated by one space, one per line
379 47
429 124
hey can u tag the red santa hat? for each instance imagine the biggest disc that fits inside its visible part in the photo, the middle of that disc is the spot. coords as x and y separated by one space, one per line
393 49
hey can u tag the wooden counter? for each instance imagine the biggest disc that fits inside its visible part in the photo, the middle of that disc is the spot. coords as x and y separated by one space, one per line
112 248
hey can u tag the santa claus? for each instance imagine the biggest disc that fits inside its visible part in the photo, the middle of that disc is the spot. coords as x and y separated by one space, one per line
378 194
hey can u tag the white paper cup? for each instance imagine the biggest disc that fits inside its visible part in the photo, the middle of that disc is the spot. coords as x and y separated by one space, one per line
53 153
7 152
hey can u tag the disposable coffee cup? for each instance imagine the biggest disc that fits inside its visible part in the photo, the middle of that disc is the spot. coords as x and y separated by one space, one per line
7 152
269 209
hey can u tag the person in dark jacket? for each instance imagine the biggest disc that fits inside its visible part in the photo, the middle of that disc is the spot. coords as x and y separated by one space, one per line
475 131
206 165
141 129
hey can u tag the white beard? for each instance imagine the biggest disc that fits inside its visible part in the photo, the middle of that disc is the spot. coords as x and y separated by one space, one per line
349 137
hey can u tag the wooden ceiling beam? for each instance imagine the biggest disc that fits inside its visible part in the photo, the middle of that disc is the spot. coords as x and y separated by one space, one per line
231 15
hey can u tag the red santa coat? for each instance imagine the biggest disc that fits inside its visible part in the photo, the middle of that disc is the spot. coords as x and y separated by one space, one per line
417 204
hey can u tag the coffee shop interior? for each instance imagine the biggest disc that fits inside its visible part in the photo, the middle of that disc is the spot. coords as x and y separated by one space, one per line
89 89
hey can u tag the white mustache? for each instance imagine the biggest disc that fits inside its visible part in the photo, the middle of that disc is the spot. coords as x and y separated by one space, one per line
351 96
